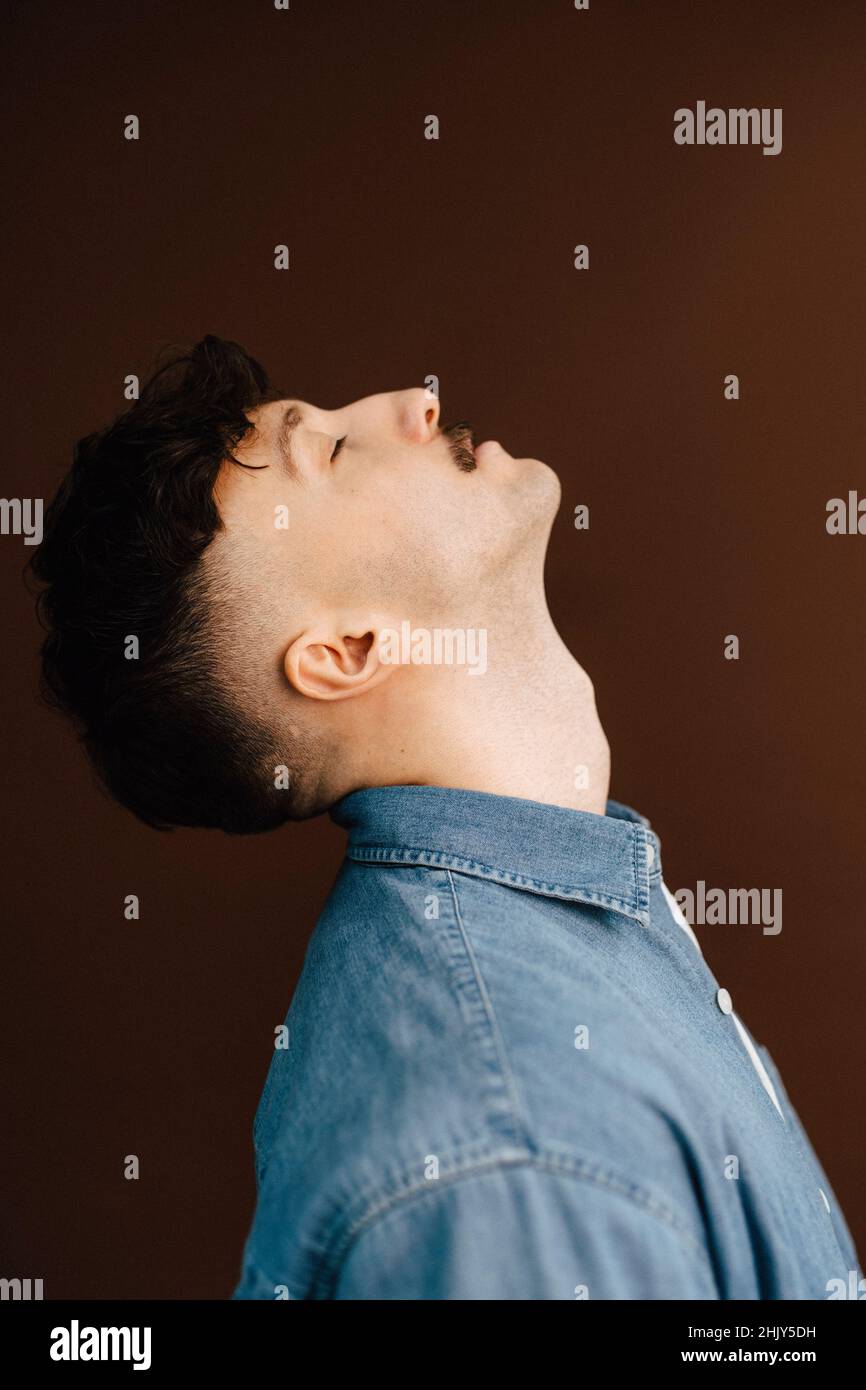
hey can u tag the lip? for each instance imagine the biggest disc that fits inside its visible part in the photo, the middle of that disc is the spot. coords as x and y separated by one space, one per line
485 447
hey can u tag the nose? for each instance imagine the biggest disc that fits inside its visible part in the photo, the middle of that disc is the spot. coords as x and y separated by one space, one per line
418 414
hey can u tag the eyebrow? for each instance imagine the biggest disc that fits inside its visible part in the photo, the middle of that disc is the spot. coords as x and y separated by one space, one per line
289 422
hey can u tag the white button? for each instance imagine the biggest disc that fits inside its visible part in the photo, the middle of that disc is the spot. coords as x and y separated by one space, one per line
724 1001
650 856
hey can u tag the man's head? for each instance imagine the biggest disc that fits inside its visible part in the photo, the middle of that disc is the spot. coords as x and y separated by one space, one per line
220 564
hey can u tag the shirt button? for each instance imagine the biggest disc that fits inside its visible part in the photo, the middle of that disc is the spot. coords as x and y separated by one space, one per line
724 1001
650 856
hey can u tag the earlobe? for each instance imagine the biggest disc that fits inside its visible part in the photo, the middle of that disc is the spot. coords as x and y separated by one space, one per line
323 666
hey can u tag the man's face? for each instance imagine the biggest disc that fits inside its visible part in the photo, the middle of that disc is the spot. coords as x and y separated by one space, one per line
372 512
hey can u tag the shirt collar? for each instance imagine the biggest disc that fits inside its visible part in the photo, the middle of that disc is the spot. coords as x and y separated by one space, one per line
608 861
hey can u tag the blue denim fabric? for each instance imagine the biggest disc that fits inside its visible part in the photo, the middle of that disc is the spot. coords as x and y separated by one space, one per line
433 1130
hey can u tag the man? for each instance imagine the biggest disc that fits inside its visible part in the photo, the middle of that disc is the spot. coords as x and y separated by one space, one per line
508 1071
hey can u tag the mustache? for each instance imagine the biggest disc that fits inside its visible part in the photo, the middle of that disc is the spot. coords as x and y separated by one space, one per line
460 439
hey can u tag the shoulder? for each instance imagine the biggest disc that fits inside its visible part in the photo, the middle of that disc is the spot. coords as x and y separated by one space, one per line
434 1054
438 1013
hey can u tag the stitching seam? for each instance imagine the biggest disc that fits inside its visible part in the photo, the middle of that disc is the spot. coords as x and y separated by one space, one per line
555 1164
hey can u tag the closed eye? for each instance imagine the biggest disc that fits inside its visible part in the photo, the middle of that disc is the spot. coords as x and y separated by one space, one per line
337 447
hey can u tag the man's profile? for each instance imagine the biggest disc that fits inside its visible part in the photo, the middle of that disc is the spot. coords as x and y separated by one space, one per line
508 1071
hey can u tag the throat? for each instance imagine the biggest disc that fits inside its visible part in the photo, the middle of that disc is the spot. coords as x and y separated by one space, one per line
532 732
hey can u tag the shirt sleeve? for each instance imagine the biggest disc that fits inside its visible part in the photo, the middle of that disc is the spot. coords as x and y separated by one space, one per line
523 1232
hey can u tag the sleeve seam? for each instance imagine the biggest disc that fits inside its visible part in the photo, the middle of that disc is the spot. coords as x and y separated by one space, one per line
558 1165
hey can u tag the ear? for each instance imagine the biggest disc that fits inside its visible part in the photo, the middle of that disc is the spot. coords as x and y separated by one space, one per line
324 666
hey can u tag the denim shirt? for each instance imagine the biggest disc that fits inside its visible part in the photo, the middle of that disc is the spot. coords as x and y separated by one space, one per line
509 1074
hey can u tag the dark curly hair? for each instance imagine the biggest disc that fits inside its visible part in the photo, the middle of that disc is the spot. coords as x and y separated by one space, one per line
121 553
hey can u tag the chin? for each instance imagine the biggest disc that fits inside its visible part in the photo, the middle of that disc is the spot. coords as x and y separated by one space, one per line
542 486
532 504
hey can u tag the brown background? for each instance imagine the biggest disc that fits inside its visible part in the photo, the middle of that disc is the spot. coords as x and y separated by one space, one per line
410 257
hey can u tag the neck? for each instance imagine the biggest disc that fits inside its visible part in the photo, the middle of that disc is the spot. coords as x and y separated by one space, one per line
528 727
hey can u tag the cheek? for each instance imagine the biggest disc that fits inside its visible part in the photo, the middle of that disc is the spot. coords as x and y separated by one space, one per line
419 539
426 506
